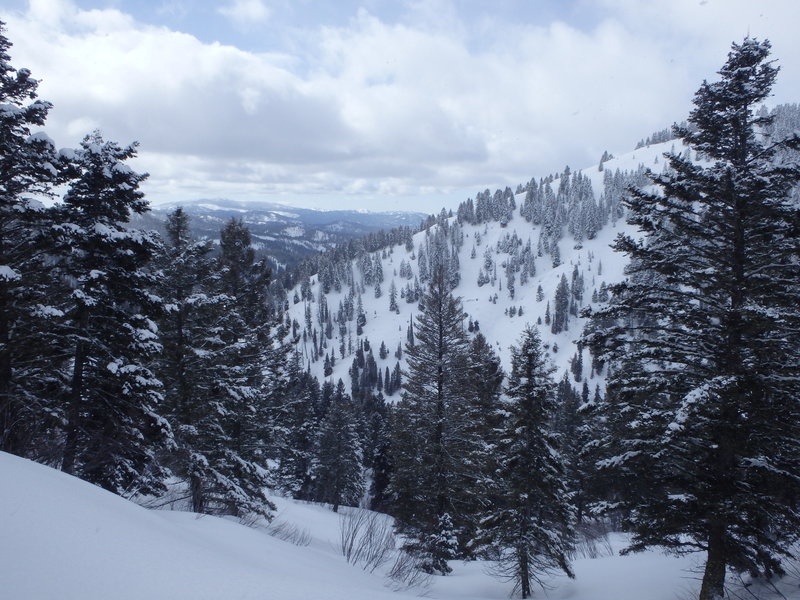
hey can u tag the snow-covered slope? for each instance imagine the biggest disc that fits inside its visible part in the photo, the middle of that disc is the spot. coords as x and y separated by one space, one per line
490 304
64 538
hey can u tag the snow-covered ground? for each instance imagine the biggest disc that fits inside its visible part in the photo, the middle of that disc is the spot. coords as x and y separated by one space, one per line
65 539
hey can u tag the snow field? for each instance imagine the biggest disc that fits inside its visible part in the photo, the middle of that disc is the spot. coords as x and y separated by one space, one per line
66 539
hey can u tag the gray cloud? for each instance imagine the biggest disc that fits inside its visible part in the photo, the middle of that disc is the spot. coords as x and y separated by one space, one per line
410 107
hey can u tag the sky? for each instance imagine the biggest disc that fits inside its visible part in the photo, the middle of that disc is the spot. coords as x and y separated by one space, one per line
378 104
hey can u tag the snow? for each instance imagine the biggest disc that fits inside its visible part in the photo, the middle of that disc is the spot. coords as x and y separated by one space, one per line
293 231
209 206
65 538
8 274
41 136
9 110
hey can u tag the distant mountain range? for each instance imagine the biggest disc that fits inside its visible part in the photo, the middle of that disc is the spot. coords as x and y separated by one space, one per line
285 234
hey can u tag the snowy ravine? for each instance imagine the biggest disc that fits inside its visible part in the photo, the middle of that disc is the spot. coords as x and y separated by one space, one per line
490 304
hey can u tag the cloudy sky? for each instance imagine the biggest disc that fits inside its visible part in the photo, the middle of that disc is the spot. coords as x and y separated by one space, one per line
378 104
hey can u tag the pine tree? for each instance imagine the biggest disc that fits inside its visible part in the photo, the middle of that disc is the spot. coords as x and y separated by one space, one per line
361 317
29 344
706 401
243 358
532 524
561 306
295 423
186 366
483 416
429 423
338 474
113 428
393 298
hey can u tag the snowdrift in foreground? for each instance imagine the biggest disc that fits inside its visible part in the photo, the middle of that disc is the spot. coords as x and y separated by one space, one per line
67 539
64 538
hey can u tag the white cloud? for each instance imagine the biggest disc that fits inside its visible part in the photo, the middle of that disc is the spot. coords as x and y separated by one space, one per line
411 107
245 13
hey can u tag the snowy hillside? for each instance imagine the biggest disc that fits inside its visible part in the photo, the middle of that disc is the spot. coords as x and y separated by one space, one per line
64 538
484 253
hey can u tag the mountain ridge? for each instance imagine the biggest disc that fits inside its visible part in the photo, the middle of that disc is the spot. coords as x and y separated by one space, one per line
483 260
283 234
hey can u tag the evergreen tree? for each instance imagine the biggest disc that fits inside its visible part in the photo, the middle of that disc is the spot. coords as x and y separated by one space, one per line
361 317
295 431
706 402
29 344
393 298
561 306
113 427
338 474
482 419
243 359
430 420
532 524
186 366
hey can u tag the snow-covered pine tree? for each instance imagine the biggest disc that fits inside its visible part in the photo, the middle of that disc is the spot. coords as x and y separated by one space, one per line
338 473
113 428
393 298
706 402
561 306
242 360
29 166
483 406
531 524
186 366
429 423
295 431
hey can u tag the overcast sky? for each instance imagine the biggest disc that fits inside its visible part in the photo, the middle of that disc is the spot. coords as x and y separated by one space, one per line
378 104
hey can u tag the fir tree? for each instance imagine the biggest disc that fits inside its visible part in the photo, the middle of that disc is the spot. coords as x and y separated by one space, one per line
429 424
186 366
393 298
482 419
296 423
243 359
29 344
113 427
706 402
338 474
532 524
561 306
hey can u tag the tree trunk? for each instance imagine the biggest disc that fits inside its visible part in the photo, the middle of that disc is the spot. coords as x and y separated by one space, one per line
198 495
9 406
713 587
524 572
74 409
